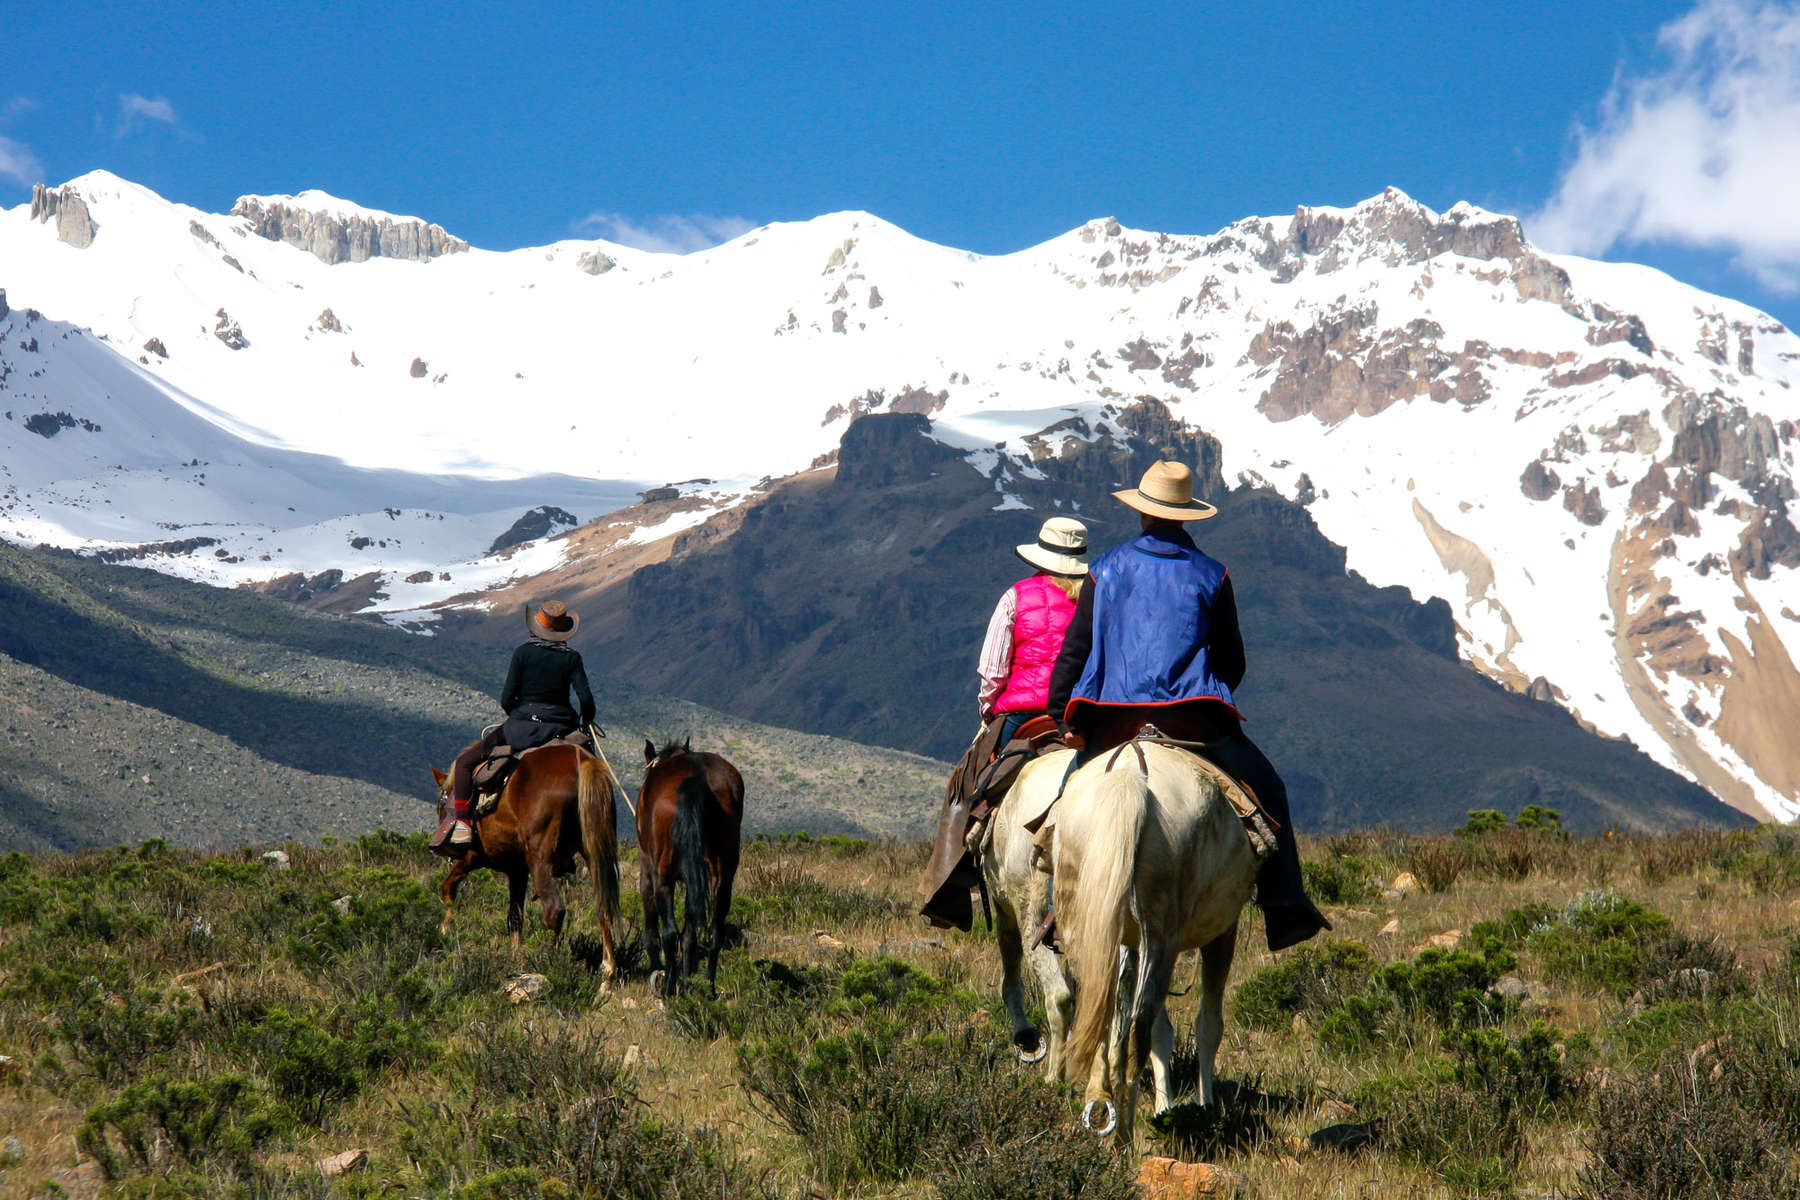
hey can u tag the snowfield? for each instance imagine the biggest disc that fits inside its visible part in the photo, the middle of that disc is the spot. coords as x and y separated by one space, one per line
1401 368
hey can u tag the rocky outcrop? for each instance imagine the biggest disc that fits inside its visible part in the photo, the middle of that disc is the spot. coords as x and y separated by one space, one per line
227 330
3 309
1538 482
888 448
336 237
594 262
74 225
327 322
1337 368
536 523
155 346
418 368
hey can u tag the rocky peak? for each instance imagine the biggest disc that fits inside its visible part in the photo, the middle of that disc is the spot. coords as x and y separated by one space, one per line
74 224
334 232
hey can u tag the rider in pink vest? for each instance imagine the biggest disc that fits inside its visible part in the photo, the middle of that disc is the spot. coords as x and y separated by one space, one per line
1026 631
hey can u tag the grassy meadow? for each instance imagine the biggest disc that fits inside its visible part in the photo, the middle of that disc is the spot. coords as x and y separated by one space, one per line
1530 1014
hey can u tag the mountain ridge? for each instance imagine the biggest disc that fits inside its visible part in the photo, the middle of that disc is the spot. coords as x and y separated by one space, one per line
1504 430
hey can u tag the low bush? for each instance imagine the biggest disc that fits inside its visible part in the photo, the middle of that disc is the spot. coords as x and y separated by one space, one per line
1449 986
1599 939
548 1111
1437 863
1310 980
1474 1140
1528 1072
160 1122
1676 1133
1346 880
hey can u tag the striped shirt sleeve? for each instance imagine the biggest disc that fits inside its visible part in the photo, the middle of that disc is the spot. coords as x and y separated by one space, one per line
996 653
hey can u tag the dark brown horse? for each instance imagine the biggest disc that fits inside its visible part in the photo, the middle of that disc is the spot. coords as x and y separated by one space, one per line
557 803
689 812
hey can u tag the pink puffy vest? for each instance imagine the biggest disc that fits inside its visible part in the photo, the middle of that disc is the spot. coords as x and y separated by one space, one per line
1040 619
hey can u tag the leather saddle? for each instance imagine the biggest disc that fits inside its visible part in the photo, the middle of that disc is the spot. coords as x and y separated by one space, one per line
977 785
491 773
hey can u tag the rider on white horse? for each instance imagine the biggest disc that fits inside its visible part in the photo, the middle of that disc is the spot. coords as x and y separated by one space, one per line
1154 640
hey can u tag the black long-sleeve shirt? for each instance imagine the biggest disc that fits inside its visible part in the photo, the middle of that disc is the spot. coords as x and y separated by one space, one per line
1224 641
541 675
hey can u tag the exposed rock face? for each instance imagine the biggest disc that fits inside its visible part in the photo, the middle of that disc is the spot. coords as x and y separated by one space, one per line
228 331
418 368
1337 368
328 322
335 238
73 224
155 346
594 262
3 309
536 523
1539 482
887 448
1585 503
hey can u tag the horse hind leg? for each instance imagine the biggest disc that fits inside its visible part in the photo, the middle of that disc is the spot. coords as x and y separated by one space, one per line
1209 1023
544 883
516 883
668 933
1027 1040
447 891
1153 1035
721 906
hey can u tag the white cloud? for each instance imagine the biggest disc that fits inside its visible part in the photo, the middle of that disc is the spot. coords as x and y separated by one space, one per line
17 106
18 163
134 110
667 234
1704 152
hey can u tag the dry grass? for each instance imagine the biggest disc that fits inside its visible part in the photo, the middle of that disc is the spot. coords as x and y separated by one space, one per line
96 926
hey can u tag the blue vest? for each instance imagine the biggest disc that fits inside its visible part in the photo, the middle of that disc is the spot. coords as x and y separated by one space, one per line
1153 602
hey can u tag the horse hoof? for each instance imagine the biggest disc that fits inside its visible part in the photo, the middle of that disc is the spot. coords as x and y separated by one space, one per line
1087 1117
1031 1045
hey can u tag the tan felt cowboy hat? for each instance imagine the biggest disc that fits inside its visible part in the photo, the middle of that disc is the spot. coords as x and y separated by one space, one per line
1167 491
1061 548
552 622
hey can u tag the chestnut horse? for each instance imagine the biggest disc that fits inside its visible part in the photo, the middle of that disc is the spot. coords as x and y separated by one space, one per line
689 812
557 803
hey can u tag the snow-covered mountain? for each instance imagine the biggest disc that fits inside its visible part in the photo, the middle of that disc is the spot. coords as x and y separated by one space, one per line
1591 463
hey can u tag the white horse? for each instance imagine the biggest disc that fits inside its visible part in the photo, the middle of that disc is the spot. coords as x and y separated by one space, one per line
1150 860
1020 894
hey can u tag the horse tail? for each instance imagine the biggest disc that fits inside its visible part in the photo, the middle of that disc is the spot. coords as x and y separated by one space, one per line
1092 924
693 804
599 840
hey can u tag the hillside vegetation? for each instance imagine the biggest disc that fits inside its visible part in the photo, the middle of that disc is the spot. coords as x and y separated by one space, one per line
136 706
1509 1012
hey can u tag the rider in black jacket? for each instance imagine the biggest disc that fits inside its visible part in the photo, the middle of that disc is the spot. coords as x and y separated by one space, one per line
535 699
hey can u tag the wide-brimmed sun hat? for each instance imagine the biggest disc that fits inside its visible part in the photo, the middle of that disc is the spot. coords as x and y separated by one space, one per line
552 622
1167 491
1061 548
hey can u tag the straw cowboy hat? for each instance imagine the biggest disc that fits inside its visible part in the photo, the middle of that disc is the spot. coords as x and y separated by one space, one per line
1167 491
552 622
1061 548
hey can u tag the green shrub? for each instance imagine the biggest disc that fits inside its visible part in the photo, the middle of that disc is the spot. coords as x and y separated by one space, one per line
1536 816
217 1122
116 1033
548 1112
1346 880
1355 1025
1599 939
1310 979
1237 1121
1512 927
1527 1072
1482 820
1449 986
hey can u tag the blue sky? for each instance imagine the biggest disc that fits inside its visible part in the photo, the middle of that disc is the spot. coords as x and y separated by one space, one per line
1667 133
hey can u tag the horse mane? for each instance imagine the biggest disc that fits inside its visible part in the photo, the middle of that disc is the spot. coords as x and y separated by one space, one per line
673 747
